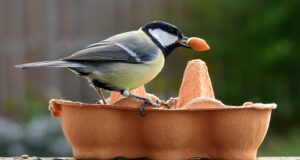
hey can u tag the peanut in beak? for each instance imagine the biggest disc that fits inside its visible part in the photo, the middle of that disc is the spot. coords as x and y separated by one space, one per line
198 44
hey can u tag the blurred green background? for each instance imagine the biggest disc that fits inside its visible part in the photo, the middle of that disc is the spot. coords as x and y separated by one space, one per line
254 56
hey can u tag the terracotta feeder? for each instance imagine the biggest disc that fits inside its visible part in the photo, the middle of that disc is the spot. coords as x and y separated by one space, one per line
195 125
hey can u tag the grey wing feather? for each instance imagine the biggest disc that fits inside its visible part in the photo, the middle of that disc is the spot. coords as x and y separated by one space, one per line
128 47
105 51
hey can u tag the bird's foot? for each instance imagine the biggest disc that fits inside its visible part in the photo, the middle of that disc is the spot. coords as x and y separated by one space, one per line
169 104
98 101
143 106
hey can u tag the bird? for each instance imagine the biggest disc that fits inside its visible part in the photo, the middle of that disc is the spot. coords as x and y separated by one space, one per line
124 61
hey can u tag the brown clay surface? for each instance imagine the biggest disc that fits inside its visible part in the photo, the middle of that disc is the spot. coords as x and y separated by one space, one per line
198 125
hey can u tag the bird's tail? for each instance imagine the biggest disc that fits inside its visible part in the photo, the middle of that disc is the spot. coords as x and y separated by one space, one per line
58 63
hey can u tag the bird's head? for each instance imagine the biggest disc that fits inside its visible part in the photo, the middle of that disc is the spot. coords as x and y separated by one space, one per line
169 37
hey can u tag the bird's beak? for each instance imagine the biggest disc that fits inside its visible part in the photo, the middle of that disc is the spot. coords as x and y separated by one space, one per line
195 43
183 42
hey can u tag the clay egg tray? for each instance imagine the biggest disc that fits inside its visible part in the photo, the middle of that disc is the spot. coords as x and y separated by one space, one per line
195 126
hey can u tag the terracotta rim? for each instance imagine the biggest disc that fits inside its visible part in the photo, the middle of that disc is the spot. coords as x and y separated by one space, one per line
220 106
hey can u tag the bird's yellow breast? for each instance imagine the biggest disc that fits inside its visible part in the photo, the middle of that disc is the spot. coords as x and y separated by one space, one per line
128 75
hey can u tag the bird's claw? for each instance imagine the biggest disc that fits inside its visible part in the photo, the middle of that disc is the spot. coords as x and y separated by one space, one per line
143 106
142 109
98 101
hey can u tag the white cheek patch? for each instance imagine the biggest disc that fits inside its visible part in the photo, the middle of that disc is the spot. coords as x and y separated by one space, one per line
163 37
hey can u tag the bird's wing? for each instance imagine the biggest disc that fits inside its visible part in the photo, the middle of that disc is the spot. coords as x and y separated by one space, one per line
128 47
105 51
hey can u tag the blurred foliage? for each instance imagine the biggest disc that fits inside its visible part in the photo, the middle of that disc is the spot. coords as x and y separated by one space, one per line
281 145
254 52
27 108
28 129
41 136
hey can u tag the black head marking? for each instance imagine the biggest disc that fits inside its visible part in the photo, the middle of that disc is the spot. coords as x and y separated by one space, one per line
167 27
163 26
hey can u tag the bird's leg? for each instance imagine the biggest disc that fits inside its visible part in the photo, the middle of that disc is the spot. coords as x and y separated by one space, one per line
99 91
147 101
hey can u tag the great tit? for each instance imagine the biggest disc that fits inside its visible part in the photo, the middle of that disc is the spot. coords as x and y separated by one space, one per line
124 61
